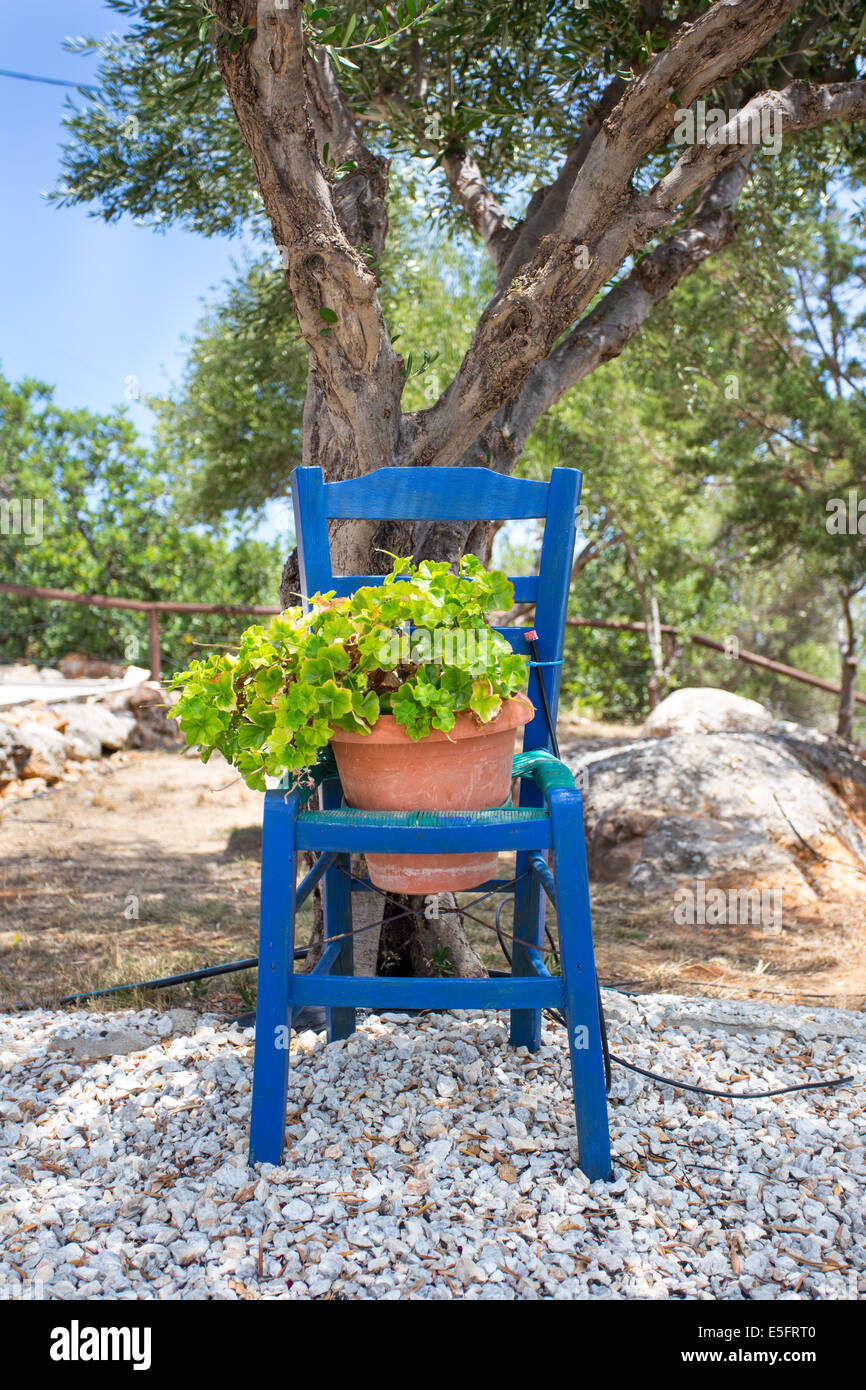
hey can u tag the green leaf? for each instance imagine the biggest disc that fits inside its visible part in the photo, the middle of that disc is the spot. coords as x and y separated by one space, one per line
366 707
268 682
408 712
485 702
295 706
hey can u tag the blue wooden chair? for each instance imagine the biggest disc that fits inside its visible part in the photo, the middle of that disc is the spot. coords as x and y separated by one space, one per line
548 820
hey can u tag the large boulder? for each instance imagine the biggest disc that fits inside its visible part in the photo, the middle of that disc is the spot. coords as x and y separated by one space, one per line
93 722
781 810
706 710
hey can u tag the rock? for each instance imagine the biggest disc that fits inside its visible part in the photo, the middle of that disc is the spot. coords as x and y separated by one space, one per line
14 753
92 722
192 1250
148 695
34 712
298 1210
47 752
183 1020
24 789
75 666
731 808
706 710
149 704
85 1048
19 671
230 1176
82 745
116 700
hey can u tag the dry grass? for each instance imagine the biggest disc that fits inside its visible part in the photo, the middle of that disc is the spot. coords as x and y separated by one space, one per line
145 869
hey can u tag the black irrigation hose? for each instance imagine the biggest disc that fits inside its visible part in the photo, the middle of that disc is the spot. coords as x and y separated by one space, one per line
609 1057
502 946
165 981
831 1084
532 644
736 1095
605 1046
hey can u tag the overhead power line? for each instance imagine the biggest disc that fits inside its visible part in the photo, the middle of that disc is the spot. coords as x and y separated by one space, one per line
51 81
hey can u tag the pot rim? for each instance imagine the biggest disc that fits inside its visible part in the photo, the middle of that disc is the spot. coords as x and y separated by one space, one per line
514 712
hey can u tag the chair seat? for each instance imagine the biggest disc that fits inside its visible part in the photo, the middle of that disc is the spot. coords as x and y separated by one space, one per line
428 832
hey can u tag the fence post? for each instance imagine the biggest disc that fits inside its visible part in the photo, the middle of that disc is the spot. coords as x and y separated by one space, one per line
155 662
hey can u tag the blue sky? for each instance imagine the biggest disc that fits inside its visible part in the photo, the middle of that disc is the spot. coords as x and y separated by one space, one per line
86 305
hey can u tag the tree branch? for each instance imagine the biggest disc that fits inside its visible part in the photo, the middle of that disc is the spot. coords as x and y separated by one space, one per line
481 206
361 198
800 106
619 316
699 55
547 205
465 180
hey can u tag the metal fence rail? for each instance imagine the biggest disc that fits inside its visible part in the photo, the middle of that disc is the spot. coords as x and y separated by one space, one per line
153 607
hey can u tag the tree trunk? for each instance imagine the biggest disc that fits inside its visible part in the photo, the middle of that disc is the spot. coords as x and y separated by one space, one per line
659 677
848 649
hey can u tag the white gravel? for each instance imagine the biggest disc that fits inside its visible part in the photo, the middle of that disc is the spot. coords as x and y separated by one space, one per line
428 1160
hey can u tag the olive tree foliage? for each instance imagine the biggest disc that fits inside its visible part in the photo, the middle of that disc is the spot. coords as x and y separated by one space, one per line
765 377
222 113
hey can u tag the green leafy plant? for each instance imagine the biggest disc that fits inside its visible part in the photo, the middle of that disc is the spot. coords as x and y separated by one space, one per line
441 961
418 647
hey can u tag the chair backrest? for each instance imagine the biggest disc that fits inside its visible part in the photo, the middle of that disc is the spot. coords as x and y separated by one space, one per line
455 494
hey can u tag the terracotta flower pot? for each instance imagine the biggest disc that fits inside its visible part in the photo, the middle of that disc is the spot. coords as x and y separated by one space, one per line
468 769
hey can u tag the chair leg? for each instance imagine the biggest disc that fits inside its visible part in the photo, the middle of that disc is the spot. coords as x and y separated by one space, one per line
528 929
276 963
337 913
579 980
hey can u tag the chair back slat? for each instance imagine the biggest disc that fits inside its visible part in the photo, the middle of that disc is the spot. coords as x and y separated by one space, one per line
423 494
450 494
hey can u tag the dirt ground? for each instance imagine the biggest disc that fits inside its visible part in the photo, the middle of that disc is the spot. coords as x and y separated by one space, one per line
149 866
